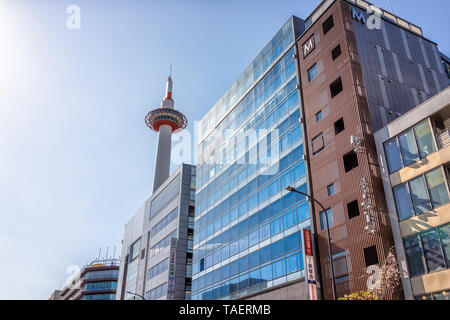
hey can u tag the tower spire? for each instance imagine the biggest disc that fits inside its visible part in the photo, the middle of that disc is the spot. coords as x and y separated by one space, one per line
169 86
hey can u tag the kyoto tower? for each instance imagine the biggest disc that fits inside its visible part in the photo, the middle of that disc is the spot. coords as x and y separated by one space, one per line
165 120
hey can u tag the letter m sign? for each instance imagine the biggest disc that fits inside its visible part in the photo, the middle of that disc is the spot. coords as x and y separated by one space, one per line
358 16
308 46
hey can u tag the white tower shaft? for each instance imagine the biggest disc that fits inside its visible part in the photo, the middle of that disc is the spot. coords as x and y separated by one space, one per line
162 166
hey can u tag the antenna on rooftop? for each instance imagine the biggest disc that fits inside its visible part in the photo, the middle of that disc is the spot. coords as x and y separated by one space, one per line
390 5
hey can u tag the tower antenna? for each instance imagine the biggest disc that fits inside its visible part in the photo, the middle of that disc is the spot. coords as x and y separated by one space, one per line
170 73
390 4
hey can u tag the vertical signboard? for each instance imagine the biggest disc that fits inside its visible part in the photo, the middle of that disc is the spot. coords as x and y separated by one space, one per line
172 260
310 266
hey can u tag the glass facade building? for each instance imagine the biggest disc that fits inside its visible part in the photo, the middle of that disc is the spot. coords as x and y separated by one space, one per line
247 226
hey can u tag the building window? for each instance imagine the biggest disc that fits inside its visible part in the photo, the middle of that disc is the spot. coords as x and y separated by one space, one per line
421 194
425 140
339 126
312 73
414 255
432 251
323 219
393 155
409 147
134 249
330 190
336 87
443 295
319 116
340 266
318 144
350 161
371 256
403 202
328 25
336 52
437 188
428 251
353 209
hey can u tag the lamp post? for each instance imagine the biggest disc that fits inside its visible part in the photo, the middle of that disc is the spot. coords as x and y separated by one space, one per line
333 284
136 295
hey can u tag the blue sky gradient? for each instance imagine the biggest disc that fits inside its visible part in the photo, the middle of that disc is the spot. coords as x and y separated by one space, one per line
76 157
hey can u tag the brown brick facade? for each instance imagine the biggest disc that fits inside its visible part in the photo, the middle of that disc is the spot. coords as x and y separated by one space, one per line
327 165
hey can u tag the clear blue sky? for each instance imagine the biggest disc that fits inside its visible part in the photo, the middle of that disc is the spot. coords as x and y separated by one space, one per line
76 157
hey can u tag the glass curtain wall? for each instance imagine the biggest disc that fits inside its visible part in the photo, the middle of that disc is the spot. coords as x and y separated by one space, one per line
247 227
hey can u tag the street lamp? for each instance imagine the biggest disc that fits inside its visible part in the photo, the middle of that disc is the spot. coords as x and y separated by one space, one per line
333 284
136 295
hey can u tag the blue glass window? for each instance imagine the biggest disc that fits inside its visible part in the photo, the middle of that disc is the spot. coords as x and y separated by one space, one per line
290 219
243 243
276 226
266 273
253 238
234 285
274 187
403 201
287 179
279 269
409 148
243 263
299 171
432 251
244 281
234 248
264 232
323 219
393 155
264 254
255 277
254 259
225 271
277 248
293 263
292 242
234 267
263 195
420 195
312 72
303 212
252 202
225 289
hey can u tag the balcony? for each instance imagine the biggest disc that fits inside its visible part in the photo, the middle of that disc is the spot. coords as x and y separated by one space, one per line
443 138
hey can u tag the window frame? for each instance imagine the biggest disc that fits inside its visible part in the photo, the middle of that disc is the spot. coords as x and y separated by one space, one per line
397 136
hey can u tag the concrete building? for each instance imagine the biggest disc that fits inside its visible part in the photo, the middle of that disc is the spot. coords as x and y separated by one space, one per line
303 114
414 154
95 281
156 259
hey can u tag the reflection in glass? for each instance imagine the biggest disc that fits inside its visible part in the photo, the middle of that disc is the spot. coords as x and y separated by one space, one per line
414 256
409 148
432 251
420 195
393 155
403 201
424 139
437 186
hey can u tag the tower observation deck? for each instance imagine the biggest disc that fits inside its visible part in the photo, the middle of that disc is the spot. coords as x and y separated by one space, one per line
164 120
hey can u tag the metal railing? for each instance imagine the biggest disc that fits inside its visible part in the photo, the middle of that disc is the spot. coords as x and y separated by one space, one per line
443 138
